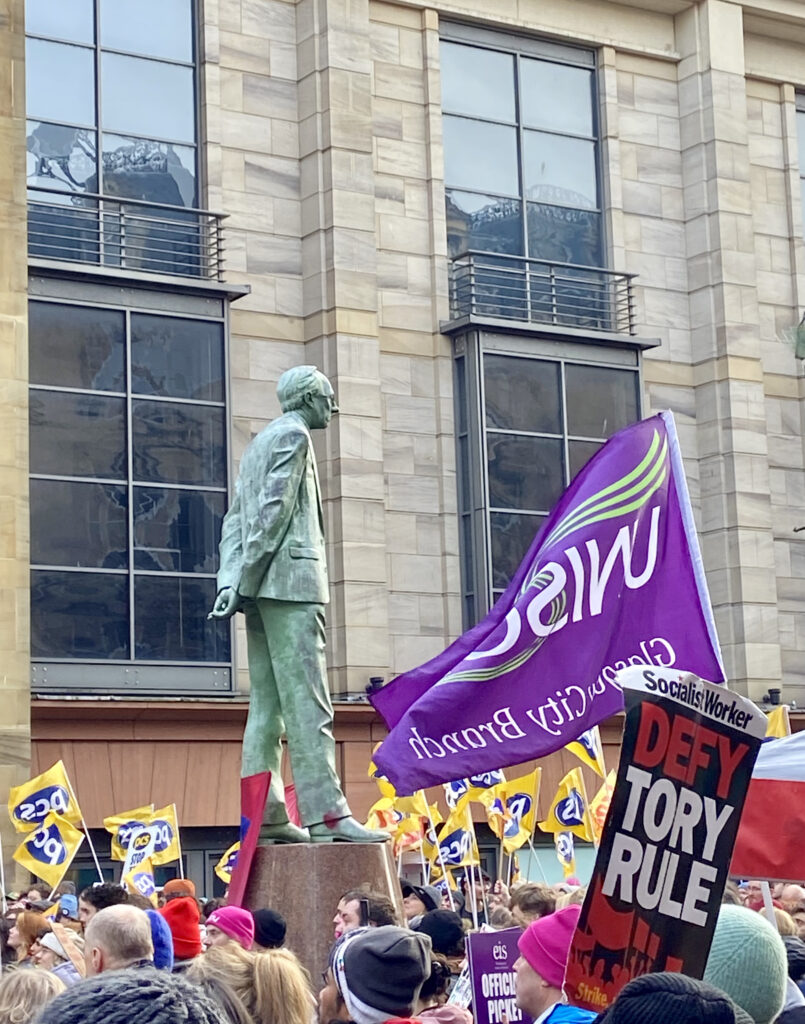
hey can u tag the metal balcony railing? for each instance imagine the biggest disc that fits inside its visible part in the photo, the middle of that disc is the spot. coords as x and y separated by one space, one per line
512 288
128 234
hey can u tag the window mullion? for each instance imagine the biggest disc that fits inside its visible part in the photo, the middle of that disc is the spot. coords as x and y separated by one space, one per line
130 483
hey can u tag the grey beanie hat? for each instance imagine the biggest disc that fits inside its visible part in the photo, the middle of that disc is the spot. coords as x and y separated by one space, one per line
380 971
134 995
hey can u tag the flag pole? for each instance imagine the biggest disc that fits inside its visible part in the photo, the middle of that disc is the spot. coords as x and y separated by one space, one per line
440 855
178 841
84 826
768 906
3 879
470 884
536 859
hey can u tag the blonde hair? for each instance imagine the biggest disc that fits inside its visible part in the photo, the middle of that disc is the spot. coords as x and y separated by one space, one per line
786 925
272 984
24 992
31 926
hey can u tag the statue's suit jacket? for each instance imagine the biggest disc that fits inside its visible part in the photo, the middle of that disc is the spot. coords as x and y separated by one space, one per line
272 539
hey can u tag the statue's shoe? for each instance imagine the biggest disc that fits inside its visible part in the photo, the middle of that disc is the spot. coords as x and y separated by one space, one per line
345 830
287 832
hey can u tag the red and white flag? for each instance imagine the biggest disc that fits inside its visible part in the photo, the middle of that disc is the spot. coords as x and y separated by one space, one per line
771 836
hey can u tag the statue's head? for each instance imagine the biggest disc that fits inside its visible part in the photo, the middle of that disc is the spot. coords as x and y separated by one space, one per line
305 390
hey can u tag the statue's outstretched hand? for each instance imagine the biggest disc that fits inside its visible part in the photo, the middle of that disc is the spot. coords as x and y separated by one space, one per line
226 604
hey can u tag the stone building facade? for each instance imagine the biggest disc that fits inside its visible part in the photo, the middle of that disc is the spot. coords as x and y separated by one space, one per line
658 138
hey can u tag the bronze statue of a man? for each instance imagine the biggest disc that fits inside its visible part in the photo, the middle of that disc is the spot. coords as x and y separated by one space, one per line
273 569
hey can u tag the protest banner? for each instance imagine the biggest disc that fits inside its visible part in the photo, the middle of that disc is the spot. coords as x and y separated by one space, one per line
653 900
491 957
50 792
226 865
253 796
141 847
49 851
613 578
141 880
122 827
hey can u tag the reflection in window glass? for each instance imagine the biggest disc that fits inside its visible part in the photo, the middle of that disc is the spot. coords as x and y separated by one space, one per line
73 20
76 346
146 97
563 235
485 223
522 394
155 172
600 400
129 25
480 156
176 530
177 358
170 620
580 453
77 435
59 157
73 98
175 443
511 537
79 524
79 615
524 472
559 169
477 82
556 97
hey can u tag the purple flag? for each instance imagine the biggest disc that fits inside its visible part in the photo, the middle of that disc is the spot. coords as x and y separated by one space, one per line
613 578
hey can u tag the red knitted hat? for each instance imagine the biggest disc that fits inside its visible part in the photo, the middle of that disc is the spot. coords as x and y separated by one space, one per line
182 916
545 944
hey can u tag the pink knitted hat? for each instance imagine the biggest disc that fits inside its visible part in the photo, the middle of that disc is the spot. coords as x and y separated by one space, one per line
235 922
545 944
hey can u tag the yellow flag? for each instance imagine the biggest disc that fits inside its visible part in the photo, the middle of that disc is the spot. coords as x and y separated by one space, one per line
569 811
49 851
51 792
122 825
382 815
412 805
429 840
141 880
565 852
521 810
226 865
167 845
383 784
408 835
599 805
589 750
457 842
778 723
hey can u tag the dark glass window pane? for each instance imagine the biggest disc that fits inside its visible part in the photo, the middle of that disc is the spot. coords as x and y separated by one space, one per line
461 395
178 444
559 169
170 620
522 394
511 538
177 358
155 172
79 615
468 551
562 235
77 435
600 400
59 82
78 524
63 19
147 97
580 453
177 531
487 223
76 346
480 156
477 82
464 472
129 25
61 158
555 96
63 226
524 472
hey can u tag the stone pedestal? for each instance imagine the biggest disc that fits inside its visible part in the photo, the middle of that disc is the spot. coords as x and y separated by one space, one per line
304 883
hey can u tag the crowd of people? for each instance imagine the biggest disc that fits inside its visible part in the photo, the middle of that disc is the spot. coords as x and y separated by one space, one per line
108 956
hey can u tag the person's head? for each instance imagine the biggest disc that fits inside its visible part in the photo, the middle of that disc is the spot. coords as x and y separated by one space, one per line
666 997
175 888
795 954
540 969
785 922
531 901
798 914
269 928
24 993
748 961
305 390
116 937
434 988
65 888
161 939
791 896
145 996
98 897
27 928
182 918
229 924
68 907
211 905
475 881
50 952
374 974
419 899
380 911
445 931
35 895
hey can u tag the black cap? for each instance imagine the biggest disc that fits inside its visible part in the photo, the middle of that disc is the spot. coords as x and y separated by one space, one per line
269 928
